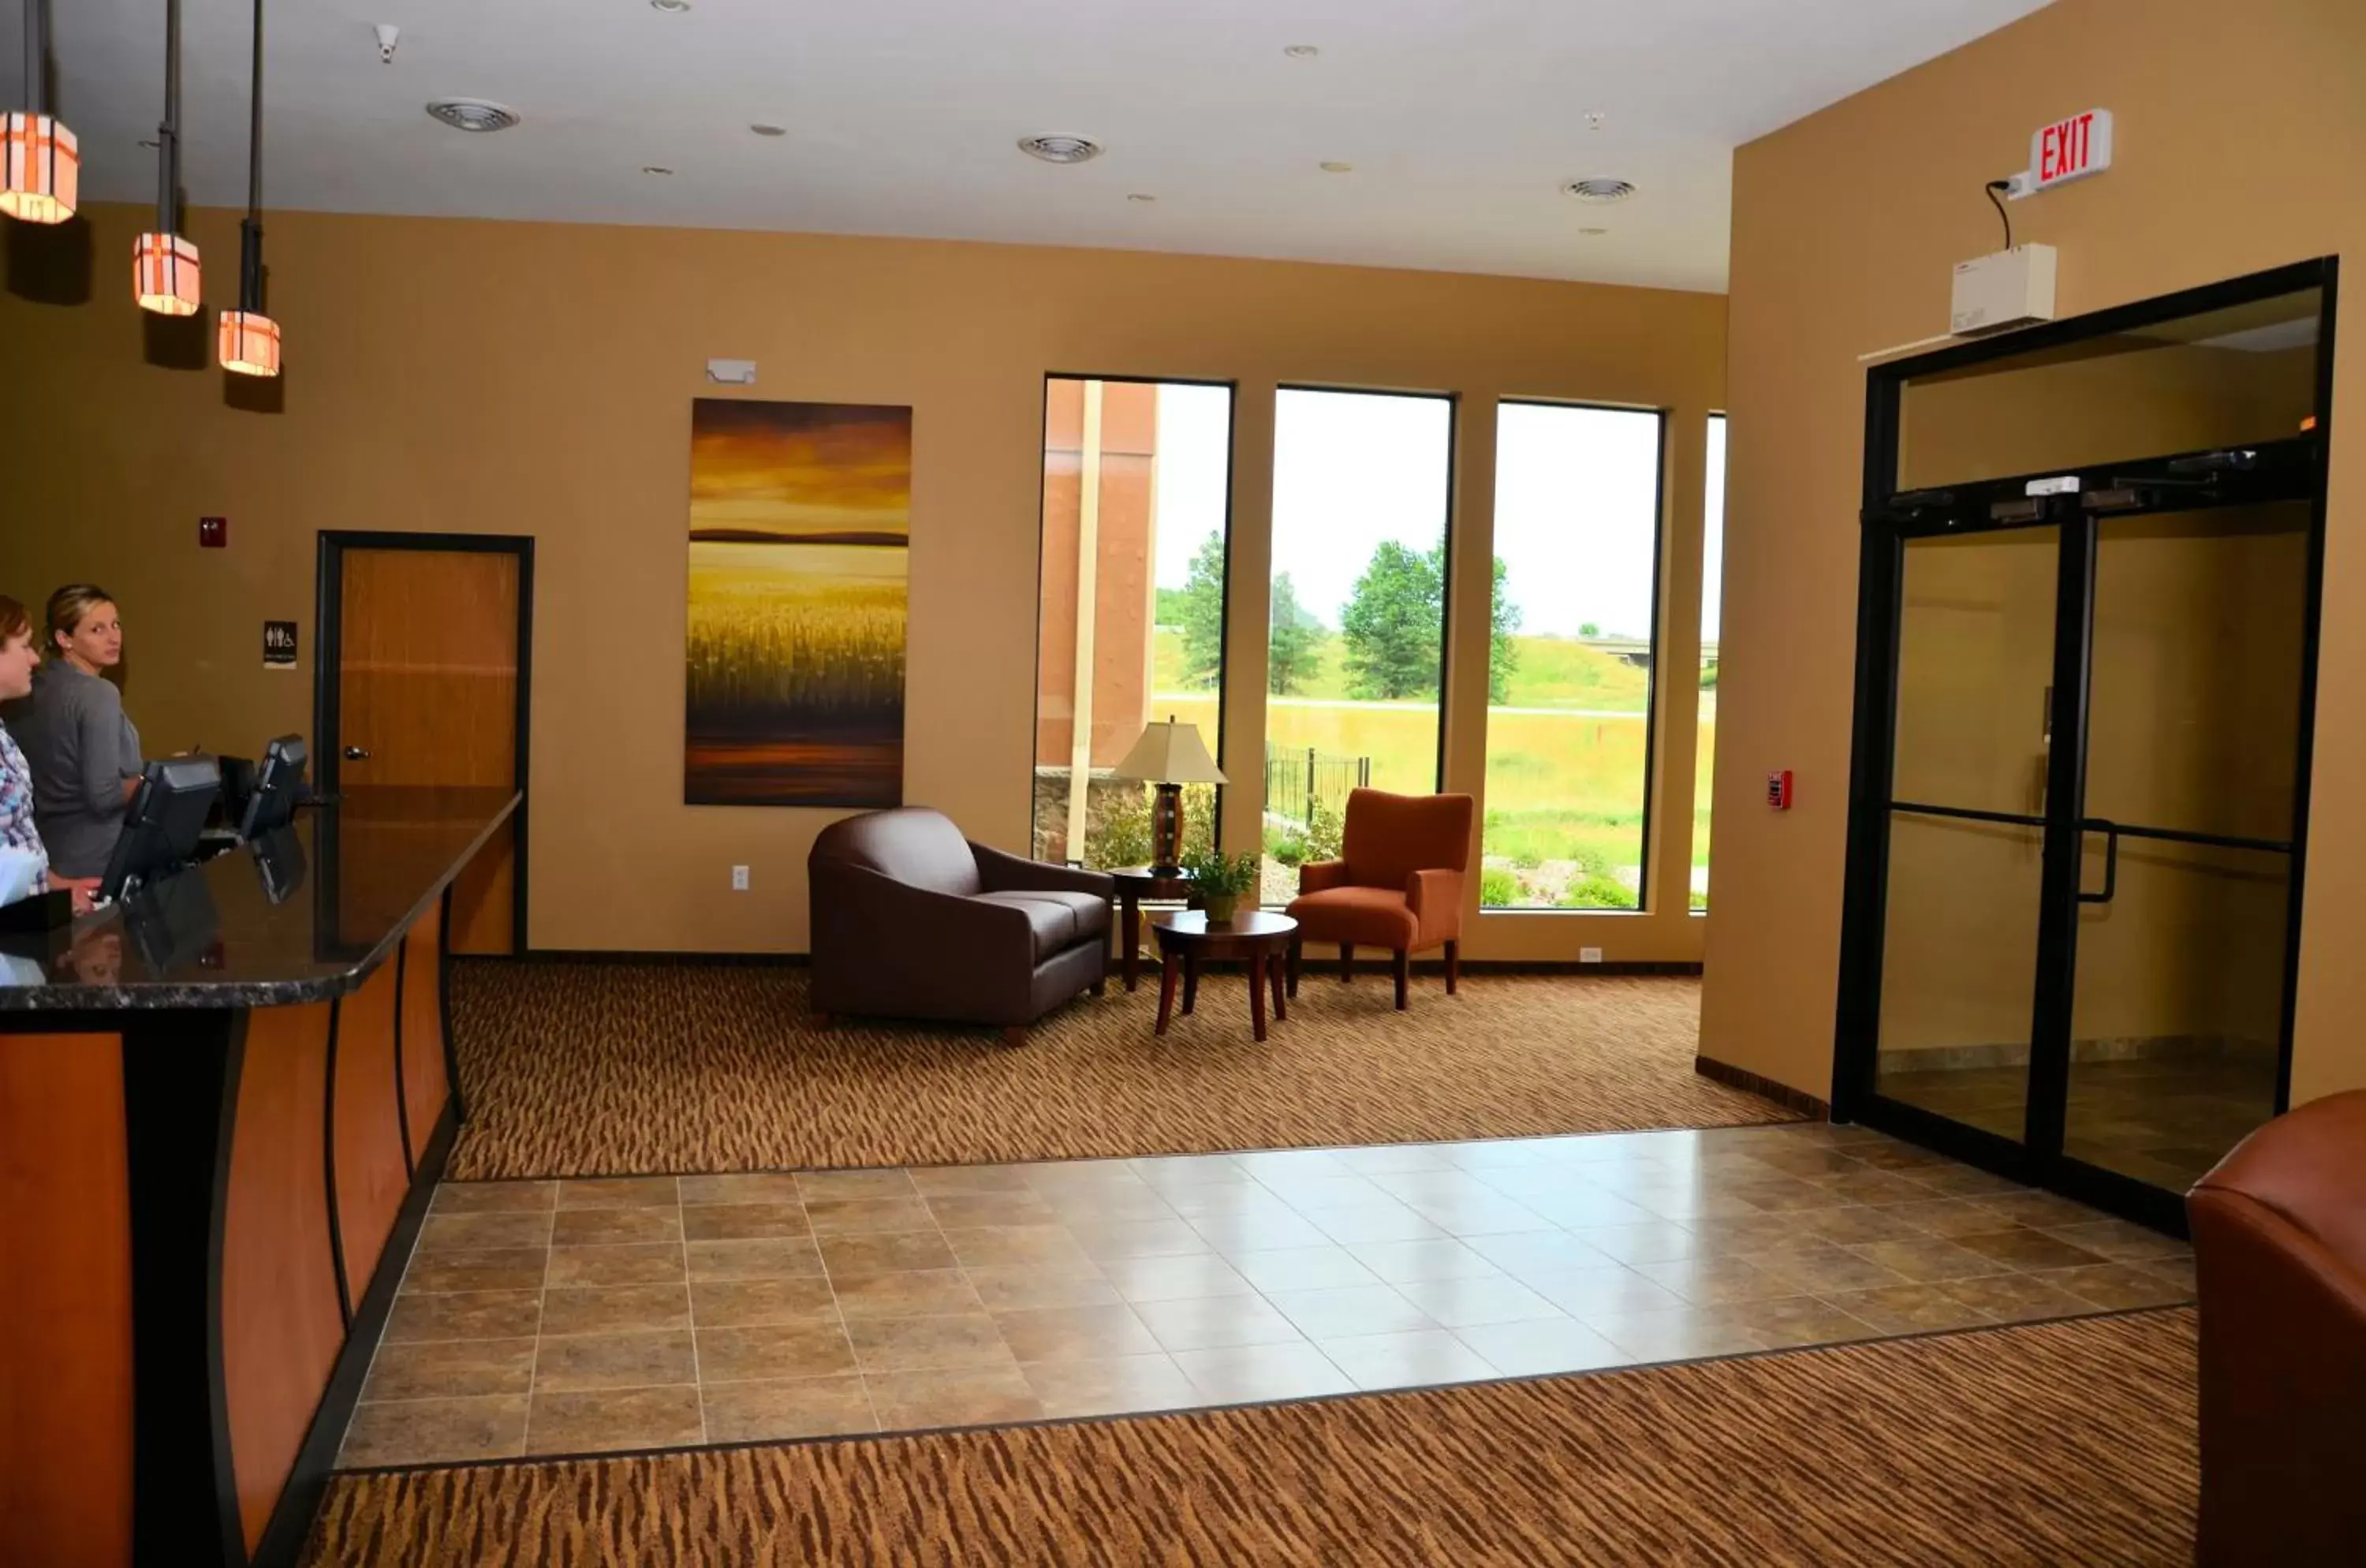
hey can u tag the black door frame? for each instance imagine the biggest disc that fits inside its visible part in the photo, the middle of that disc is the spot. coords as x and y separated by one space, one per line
2287 469
329 616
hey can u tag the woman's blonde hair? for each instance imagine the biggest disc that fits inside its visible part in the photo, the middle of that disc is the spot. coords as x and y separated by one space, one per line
69 605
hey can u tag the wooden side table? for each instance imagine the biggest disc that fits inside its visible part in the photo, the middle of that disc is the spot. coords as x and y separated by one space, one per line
1186 940
1135 884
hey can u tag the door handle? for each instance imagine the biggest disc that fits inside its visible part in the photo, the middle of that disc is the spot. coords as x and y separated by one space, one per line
2111 832
357 753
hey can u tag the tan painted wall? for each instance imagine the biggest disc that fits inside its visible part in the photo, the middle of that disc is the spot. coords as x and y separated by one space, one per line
2241 145
538 379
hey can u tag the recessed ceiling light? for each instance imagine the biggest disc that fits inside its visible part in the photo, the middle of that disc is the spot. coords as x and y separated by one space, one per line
1330 166
763 129
1061 149
1594 120
1599 192
655 169
473 114
1141 196
673 7
1301 51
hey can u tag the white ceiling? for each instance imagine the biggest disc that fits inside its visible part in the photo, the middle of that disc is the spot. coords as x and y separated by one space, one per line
1461 116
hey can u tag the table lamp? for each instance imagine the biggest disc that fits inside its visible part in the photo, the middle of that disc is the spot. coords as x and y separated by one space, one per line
1169 755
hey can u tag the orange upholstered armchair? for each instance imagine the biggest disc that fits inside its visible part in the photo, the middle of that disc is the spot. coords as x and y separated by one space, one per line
1397 883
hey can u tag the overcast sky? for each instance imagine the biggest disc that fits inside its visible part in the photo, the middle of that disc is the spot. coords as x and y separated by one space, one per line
1575 493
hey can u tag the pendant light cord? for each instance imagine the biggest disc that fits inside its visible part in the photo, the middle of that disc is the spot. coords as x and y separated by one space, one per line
250 232
168 135
33 83
255 126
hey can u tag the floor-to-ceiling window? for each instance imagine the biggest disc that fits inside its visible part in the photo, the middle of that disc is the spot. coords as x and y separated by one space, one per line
1131 624
1712 595
1569 666
1356 613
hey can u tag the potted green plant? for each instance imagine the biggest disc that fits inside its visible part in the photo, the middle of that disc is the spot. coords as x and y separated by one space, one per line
1220 880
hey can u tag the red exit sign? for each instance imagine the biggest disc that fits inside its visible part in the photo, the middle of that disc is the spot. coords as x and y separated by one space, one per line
2071 149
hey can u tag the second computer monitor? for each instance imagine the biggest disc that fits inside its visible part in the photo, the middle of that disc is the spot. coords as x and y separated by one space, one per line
279 785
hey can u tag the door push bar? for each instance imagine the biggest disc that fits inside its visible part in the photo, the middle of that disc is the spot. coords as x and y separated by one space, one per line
2111 832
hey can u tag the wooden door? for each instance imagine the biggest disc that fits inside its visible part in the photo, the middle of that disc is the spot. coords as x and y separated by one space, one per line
427 695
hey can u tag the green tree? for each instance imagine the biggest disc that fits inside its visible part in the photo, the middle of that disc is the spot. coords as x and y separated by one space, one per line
1503 653
1394 621
1391 626
1202 613
1589 629
1292 637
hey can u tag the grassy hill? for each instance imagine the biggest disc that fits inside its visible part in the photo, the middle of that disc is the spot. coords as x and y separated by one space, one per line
1552 672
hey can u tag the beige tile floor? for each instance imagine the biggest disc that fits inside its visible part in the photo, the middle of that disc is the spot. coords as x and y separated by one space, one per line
543 1317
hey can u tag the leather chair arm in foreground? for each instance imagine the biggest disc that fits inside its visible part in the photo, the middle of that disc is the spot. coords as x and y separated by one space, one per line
2280 1248
912 920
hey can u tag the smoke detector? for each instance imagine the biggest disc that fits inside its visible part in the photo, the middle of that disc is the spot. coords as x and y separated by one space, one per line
1061 149
1601 193
473 114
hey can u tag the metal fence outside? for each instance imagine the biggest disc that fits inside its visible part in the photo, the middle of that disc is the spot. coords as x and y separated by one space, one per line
1295 780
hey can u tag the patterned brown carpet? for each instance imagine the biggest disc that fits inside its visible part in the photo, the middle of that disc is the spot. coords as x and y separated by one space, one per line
581 1069
2066 1442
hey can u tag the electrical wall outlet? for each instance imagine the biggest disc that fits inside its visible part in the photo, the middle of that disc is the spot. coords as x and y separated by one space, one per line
739 879
1589 956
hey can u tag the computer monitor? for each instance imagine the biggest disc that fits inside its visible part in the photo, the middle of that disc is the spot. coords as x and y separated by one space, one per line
161 830
279 786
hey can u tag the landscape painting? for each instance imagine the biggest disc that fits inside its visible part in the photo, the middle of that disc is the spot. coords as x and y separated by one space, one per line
799 532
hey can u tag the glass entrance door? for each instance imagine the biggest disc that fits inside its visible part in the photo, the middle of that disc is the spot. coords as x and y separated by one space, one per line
2197 675
1965 822
2078 801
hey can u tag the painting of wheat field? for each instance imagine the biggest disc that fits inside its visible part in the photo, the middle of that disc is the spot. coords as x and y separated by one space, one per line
799 531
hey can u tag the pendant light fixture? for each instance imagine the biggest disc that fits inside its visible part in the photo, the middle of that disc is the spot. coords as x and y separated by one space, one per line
164 264
250 340
41 163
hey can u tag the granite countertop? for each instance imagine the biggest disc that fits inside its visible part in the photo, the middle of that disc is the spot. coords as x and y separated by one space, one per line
300 915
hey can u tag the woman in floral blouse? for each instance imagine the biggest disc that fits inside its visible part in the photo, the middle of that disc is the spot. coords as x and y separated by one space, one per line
18 658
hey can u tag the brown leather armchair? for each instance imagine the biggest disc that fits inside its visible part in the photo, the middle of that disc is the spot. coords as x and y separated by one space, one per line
1397 885
912 920
2280 1247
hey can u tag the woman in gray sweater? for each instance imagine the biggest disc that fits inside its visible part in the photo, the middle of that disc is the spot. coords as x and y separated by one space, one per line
83 751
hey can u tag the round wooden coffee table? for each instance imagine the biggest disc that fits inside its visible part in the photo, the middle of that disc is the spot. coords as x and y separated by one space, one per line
1186 940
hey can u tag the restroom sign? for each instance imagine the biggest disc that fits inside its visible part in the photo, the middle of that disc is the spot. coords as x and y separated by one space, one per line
2071 149
279 645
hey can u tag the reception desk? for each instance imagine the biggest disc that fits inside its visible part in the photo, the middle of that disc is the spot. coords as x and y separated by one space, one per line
224 1103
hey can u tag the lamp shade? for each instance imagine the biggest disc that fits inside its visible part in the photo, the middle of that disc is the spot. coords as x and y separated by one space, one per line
40 168
1170 753
164 275
250 343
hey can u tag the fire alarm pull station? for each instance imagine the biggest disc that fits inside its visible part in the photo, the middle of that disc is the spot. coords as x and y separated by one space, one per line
1778 791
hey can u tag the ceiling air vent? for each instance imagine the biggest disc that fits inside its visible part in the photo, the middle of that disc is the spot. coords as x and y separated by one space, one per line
1061 149
473 114
1599 192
